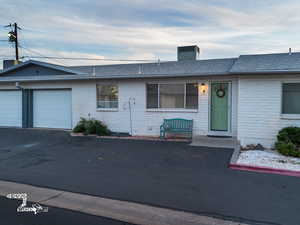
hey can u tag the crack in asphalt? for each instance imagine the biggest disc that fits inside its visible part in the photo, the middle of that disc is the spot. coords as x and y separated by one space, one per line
52 197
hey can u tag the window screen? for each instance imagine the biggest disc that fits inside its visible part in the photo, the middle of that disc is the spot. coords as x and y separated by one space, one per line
172 96
152 96
107 96
291 98
191 96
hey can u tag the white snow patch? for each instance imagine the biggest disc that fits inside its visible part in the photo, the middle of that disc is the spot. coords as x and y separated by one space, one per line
268 159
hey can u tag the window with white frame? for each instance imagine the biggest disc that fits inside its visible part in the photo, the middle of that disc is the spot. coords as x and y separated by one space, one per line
172 96
291 98
107 96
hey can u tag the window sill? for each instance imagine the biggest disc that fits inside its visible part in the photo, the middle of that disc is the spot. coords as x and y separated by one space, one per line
290 116
107 110
173 110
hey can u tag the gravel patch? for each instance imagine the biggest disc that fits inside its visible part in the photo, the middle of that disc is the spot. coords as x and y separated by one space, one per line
269 159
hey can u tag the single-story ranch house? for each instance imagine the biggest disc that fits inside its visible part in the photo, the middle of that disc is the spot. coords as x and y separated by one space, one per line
250 97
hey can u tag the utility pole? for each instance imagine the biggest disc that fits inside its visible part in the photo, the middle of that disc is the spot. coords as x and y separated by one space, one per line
13 37
16 41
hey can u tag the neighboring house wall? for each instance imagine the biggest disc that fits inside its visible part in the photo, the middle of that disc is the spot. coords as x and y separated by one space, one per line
31 70
259 109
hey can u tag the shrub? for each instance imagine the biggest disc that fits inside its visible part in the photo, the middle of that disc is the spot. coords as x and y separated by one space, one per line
290 134
80 127
288 141
101 129
91 126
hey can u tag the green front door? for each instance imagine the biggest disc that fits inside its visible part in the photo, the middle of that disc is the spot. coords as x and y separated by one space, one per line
219 107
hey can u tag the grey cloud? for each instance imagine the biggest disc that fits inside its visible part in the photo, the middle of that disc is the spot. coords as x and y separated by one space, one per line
154 28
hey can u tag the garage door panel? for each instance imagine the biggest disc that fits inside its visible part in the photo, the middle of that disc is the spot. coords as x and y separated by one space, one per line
11 108
52 108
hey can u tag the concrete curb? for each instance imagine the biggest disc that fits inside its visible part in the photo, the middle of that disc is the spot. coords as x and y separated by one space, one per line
235 154
119 210
263 169
135 138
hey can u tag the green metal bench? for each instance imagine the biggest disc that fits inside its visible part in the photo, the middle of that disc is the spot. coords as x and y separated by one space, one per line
176 126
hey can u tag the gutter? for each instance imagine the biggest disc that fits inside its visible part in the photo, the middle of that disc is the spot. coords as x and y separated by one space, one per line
135 76
92 77
261 72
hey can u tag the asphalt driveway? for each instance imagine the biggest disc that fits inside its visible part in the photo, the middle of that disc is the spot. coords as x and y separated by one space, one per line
167 174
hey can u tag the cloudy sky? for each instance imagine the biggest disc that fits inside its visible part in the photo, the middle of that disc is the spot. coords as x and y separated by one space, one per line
150 29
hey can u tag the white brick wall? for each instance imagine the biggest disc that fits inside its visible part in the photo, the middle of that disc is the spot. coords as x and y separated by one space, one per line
144 121
259 109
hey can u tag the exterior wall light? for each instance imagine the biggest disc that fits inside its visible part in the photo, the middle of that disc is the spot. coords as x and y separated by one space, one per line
203 88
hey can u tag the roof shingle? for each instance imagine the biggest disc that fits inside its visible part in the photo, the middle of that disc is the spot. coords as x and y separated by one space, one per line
267 63
172 68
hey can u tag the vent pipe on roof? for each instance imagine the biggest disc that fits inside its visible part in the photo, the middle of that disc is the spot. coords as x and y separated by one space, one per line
141 69
9 63
290 51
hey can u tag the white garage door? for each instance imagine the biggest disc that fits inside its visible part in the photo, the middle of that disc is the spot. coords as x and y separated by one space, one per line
11 108
52 108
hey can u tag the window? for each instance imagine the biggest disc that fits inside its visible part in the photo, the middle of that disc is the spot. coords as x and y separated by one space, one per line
172 96
152 96
291 98
107 96
191 96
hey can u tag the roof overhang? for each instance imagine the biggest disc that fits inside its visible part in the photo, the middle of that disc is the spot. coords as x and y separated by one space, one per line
39 63
97 77
262 72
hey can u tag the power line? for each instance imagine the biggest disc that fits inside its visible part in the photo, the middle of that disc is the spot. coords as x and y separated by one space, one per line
32 51
37 53
3 26
5 56
32 30
14 38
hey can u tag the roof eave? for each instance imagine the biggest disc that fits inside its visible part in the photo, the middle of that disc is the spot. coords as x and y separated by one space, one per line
91 77
44 64
264 72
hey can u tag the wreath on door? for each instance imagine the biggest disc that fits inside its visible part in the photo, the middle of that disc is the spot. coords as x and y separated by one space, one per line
220 92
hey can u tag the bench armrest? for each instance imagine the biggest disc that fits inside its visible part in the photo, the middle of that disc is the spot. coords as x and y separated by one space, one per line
164 126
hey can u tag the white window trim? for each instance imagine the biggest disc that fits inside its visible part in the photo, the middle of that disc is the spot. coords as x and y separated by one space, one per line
290 116
172 109
107 109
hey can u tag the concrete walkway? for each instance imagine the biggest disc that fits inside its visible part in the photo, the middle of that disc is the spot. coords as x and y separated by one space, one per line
215 142
119 210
